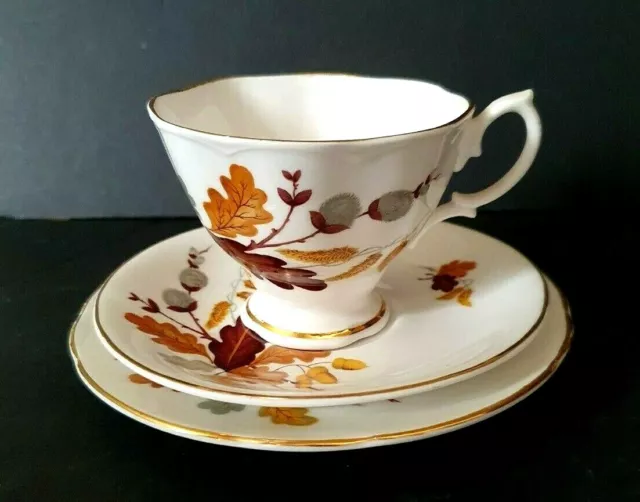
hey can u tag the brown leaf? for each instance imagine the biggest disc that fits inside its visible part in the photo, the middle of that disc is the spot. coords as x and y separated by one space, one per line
167 334
260 374
296 176
463 298
248 284
456 268
238 346
242 210
451 294
288 416
218 313
139 379
317 220
321 257
287 175
281 355
396 251
357 269
285 196
243 294
302 198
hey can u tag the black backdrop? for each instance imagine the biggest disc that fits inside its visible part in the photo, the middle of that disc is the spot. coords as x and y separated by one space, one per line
75 140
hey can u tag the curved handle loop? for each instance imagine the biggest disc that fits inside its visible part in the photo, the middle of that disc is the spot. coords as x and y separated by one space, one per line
466 204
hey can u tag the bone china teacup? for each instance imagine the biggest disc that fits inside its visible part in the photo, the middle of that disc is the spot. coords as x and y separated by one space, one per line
314 183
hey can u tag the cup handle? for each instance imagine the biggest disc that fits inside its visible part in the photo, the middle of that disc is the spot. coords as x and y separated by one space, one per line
470 146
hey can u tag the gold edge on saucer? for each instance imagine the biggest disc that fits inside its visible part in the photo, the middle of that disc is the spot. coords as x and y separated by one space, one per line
470 417
390 390
331 334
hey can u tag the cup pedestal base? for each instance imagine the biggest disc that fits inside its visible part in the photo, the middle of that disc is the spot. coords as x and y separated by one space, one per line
331 328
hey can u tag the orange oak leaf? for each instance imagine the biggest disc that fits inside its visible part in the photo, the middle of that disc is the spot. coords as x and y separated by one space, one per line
456 268
463 298
242 210
260 374
139 379
237 347
167 334
281 355
288 416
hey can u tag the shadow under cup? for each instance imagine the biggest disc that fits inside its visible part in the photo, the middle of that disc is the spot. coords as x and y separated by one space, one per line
314 183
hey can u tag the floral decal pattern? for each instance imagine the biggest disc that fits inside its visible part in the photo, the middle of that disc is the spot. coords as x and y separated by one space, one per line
221 348
242 210
451 279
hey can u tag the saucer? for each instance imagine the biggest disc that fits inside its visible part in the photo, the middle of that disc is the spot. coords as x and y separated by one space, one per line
326 428
459 307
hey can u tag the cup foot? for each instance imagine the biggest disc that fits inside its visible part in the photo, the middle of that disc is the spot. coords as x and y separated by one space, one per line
318 329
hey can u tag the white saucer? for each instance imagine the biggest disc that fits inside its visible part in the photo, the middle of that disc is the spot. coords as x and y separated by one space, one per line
460 306
326 428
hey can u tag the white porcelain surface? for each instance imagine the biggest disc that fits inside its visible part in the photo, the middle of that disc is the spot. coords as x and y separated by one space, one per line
461 303
320 429
314 182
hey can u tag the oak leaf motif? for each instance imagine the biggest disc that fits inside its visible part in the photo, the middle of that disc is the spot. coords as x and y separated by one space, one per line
139 379
456 268
237 347
260 374
242 210
167 334
288 416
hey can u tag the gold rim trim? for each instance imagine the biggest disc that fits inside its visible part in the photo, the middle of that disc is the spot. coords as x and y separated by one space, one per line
105 337
331 334
151 108
448 424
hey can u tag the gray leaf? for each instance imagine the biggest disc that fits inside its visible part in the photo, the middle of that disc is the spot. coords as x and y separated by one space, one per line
188 364
219 407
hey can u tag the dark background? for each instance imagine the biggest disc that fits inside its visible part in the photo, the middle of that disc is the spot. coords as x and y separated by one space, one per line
75 140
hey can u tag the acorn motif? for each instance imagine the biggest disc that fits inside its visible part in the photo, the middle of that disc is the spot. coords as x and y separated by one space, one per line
391 206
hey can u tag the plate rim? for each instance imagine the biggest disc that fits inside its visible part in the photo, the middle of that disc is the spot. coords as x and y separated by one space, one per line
327 444
306 399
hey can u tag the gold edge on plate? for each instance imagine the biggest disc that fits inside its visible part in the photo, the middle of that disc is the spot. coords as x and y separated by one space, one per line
493 359
181 429
332 334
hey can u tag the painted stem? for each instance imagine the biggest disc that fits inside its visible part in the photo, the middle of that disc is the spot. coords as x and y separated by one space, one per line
276 231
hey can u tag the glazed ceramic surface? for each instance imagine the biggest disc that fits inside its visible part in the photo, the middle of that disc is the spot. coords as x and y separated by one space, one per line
317 429
461 303
316 183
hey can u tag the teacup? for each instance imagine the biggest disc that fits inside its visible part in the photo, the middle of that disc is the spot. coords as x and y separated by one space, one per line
316 182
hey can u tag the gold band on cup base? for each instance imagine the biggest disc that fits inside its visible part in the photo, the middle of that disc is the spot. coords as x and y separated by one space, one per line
330 334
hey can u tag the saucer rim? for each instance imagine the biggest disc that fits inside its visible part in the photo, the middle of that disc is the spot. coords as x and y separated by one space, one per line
327 444
338 399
